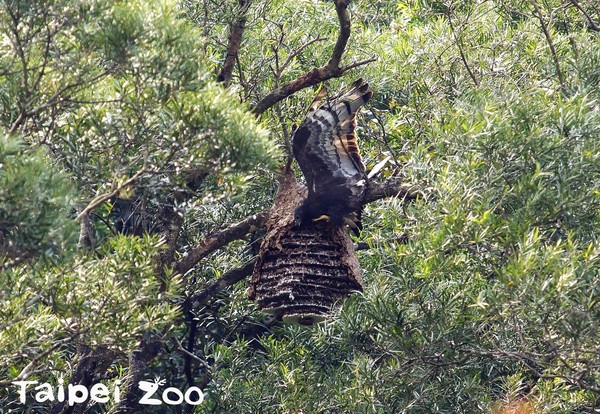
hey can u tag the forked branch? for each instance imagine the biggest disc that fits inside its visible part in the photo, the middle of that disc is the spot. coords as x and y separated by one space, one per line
331 69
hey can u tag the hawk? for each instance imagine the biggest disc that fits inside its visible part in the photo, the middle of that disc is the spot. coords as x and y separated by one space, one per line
327 152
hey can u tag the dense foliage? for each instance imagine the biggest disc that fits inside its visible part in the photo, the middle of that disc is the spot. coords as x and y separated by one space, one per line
480 293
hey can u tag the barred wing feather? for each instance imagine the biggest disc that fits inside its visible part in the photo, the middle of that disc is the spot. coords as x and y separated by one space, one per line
326 149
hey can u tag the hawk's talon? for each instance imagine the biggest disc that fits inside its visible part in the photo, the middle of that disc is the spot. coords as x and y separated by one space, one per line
350 223
322 217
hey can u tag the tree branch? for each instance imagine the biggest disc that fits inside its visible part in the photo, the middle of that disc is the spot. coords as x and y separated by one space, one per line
341 8
216 286
61 95
559 72
393 187
540 365
153 343
86 232
357 64
235 40
92 362
296 52
592 25
330 70
459 45
138 367
28 370
171 223
219 239
105 197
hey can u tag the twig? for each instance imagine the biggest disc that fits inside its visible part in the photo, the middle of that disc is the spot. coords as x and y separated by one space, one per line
384 136
357 64
296 52
400 239
181 348
27 371
105 197
58 98
287 139
561 76
592 25
459 45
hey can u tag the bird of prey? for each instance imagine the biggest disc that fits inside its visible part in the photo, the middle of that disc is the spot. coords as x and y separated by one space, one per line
327 152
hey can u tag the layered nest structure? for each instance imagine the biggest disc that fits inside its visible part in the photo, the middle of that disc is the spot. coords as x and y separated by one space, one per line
301 273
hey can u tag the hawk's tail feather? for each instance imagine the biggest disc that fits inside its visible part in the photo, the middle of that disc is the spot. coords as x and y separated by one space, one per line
352 148
345 108
316 103
354 222
350 102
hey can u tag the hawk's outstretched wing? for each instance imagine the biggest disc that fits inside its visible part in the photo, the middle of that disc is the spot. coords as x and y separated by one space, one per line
326 149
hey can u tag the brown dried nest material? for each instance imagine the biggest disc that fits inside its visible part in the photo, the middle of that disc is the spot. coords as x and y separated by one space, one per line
302 272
